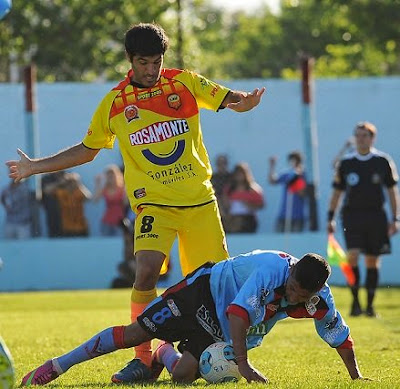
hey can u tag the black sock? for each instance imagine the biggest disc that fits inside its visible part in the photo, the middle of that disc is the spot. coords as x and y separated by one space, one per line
371 283
356 286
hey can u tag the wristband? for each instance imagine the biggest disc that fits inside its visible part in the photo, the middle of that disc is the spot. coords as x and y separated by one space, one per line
331 214
241 358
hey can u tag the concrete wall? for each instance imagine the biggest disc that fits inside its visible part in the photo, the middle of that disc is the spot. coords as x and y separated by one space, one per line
65 109
78 263
274 128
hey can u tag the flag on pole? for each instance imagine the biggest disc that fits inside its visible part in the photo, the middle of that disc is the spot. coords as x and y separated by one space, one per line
297 184
337 257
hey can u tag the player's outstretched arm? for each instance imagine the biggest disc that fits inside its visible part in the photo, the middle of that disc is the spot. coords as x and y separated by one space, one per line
70 157
243 101
238 329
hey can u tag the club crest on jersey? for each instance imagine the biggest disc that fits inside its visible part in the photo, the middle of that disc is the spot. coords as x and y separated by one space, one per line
174 101
131 112
353 179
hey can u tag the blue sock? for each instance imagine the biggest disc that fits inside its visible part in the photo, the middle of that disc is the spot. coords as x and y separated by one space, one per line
104 342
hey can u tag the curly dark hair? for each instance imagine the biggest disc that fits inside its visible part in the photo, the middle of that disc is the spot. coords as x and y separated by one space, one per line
145 39
311 272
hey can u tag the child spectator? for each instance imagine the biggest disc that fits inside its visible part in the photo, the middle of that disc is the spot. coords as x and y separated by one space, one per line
17 201
291 212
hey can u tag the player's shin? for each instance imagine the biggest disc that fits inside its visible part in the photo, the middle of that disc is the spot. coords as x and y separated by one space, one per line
106 341
139 300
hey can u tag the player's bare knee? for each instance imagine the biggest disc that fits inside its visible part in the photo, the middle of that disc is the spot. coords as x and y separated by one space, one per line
180 376
186 370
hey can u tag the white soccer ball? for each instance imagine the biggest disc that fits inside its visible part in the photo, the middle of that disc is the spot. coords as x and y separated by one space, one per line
217 363
7 374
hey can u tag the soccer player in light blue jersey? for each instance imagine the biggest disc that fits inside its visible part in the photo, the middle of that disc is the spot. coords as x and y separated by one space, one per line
238 300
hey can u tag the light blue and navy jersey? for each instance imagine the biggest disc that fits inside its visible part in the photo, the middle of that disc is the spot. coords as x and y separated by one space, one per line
252 286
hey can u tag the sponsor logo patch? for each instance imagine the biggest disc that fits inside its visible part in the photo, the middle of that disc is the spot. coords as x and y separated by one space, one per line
311 305
149 324
263 296
254 303
375 178
139 193
174 309
207 322
330 325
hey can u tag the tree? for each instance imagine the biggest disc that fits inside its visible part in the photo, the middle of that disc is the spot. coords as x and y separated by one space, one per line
78 40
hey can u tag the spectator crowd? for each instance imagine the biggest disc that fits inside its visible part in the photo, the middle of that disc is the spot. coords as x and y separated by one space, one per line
240 198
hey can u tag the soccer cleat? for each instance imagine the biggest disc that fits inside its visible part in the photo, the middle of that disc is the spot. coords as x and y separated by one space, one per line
355 309
156 365
134 371
41 376
370 311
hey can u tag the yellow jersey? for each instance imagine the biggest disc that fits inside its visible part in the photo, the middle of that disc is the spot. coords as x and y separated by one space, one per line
159 135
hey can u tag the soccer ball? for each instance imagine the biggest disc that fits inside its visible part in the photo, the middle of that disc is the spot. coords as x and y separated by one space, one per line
217 363
7 375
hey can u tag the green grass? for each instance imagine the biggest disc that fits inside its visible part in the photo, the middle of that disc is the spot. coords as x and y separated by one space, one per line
41 325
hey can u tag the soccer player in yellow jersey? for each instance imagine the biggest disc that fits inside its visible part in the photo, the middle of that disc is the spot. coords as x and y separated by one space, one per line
154 114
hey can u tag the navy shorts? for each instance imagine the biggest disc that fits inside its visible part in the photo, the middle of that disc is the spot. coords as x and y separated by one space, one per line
185 312
366 230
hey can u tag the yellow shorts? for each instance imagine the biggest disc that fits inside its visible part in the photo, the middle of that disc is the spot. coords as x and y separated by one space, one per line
199 229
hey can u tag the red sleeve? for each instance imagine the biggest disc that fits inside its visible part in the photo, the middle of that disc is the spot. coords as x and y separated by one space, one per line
348 343
237 310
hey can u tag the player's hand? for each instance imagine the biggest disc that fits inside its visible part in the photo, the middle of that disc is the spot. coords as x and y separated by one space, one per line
393 228
272 160
250 373
331 227
17 170
247 100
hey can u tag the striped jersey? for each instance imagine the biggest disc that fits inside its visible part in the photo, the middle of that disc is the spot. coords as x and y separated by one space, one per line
159 135
252 286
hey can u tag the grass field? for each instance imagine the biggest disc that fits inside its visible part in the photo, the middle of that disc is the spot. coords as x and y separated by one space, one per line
40 325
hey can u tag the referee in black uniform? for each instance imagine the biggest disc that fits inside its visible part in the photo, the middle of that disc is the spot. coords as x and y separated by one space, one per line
361 176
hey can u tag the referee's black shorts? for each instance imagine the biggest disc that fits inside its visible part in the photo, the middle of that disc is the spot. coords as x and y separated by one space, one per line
185 312
366 230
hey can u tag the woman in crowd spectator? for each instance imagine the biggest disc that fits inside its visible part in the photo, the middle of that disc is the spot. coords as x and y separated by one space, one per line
243 197
110 187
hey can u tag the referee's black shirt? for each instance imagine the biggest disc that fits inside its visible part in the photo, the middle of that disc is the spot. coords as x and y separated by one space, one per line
363 177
